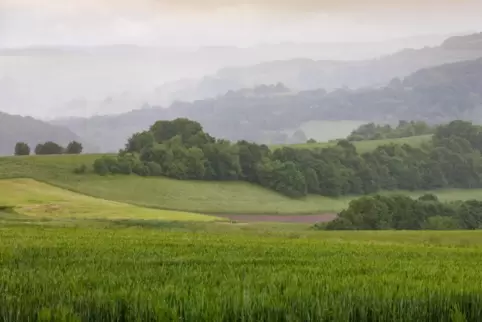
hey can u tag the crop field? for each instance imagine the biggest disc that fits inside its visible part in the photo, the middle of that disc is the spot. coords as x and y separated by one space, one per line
80 274
365 146
34 199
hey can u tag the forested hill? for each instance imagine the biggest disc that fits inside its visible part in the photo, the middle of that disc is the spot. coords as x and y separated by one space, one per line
14 128
435 95
309 74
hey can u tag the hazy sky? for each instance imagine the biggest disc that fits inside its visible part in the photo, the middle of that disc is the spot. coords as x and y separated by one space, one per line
228 22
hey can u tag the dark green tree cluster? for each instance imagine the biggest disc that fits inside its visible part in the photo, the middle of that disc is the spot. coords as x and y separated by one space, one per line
50 147
22 148
181 149
404 129
400 212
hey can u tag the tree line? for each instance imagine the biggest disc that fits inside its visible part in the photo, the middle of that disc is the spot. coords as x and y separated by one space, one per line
181 149
372 131
404 213
49 147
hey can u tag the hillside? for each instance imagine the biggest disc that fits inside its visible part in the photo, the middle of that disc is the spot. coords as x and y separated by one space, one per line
435 95
33 199
90 80
162 193
309 74
14 128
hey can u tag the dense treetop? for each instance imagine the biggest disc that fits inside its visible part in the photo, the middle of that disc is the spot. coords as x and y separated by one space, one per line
181 149
404 213
372 131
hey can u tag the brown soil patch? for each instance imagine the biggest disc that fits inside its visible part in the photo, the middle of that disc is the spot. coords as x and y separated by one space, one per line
300 219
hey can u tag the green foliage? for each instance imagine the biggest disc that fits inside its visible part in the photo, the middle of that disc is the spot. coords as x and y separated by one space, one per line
80 169
284 177
183 151
22 148
48 148
404 213
441 223
74 147
139 141
148 275
404 129
101 166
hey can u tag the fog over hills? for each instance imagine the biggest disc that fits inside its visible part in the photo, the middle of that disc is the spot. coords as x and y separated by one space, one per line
15 128
65 81
435 95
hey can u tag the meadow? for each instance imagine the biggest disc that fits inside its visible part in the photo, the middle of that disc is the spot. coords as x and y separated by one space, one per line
27 197
87 274
190 196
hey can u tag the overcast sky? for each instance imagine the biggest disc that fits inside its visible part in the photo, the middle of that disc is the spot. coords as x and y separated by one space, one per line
228 22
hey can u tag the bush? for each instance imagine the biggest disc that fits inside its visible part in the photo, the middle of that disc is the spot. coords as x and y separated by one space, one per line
100 167
81 169
155 169
22 148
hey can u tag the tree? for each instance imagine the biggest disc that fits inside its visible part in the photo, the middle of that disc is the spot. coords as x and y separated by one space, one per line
48 148
74 147
22 148
166 130
139 141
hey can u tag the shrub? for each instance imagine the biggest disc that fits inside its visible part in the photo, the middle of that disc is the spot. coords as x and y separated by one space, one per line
100 167
81 169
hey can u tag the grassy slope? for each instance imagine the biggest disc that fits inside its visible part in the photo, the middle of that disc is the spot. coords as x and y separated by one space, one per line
31 198
193 196
364 146
163 193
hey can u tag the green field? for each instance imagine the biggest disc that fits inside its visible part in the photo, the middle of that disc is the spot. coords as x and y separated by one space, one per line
191 196
31 198
365 146
162 193
90 274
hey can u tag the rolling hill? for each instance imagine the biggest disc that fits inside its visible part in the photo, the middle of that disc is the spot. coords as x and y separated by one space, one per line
117 78
435 95
161 193
309 74
14 128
